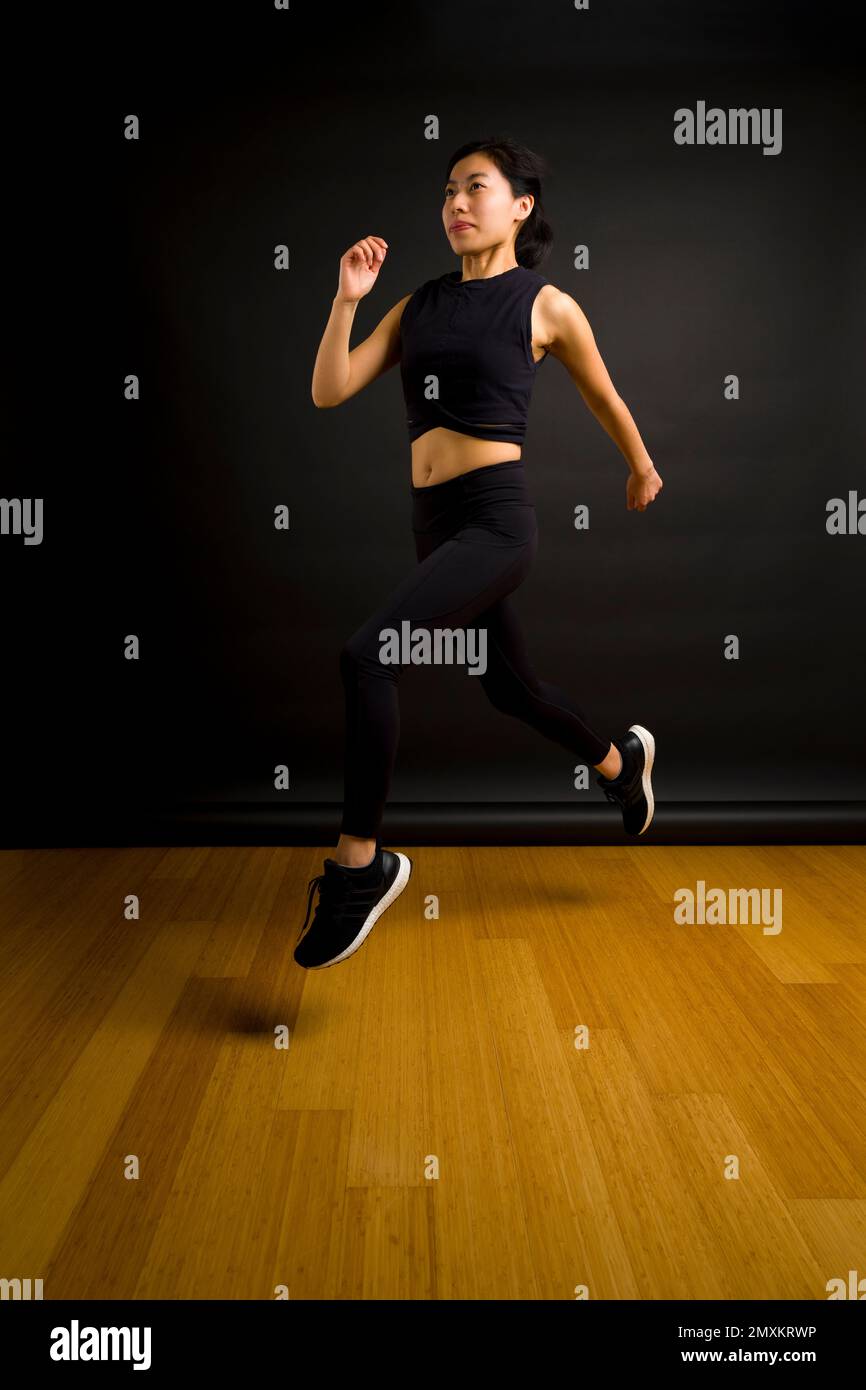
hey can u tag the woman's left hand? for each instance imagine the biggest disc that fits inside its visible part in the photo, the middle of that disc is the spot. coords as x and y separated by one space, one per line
641 488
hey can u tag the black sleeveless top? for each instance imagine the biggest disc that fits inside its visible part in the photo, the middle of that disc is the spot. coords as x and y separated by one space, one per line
466 354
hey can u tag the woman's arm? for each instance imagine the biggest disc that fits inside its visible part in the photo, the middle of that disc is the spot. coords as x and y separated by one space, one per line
566 333
339 373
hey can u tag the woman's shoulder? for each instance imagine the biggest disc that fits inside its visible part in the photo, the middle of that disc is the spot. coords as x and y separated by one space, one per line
535 278
428 290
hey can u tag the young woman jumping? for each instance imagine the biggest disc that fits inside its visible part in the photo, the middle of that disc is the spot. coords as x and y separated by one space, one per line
468 343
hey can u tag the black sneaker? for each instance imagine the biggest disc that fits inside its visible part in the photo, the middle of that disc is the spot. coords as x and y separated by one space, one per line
632 789
351 901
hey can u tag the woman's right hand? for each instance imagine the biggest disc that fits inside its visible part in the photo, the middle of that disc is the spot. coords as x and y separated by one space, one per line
359 268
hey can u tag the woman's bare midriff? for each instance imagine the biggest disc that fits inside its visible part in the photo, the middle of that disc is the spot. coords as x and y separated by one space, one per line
441 454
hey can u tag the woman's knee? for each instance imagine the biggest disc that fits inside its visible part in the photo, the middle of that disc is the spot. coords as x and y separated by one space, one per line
363 651
506 694
351 654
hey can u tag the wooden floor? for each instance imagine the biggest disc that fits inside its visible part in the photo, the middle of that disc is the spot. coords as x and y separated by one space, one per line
432 1131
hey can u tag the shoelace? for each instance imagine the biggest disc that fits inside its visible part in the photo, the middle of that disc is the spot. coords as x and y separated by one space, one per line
331 890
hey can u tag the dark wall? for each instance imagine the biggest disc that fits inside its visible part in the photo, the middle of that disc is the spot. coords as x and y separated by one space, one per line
155 257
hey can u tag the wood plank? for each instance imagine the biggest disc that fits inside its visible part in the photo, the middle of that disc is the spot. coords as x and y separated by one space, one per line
432 1131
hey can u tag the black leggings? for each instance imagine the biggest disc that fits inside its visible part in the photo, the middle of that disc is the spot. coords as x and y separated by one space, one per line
476 537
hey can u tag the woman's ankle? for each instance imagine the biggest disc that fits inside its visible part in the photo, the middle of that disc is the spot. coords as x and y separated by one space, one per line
353 852
611 766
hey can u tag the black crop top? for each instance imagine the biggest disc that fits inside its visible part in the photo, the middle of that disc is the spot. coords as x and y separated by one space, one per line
466 354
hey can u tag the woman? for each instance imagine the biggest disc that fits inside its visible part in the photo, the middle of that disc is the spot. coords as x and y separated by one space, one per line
469 343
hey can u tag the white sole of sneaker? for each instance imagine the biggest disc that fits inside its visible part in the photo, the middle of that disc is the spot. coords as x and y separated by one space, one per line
649 748
393 892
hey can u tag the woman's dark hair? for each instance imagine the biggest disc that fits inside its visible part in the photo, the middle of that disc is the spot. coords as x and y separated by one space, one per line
524 170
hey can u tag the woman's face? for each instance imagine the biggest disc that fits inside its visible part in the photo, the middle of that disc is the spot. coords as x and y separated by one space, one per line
478 198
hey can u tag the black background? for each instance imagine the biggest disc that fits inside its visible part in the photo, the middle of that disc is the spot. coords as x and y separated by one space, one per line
306 127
